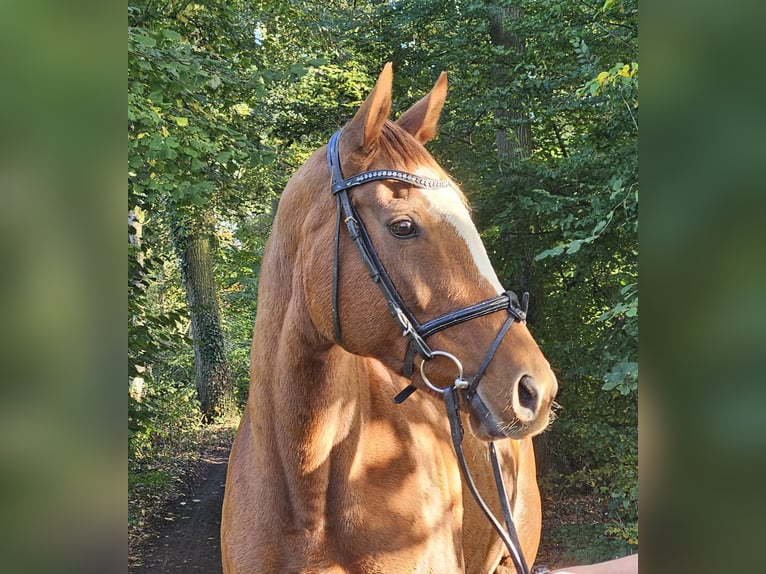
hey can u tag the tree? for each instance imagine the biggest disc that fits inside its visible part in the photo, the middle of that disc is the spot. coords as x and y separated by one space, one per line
509 114
187 151
214 383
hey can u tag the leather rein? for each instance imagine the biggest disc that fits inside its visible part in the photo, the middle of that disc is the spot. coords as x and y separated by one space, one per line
417 333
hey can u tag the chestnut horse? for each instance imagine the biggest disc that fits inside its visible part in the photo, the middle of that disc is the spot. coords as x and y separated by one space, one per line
327 473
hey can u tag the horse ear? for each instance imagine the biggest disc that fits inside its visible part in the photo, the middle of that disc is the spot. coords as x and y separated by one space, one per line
421 119
365 128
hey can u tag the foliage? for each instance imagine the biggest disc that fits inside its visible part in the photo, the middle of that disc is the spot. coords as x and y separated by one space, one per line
150 330
168 412
164 427
190 141
587 544
578 199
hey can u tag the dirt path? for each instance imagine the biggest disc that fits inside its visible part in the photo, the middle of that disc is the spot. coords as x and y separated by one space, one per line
187 537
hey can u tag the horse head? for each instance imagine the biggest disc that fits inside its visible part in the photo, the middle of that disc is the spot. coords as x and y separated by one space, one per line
432 255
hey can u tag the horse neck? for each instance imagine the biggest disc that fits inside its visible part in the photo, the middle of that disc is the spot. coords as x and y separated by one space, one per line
322 418
307 395
309 402
290 360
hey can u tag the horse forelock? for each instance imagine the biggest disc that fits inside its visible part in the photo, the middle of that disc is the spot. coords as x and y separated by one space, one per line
401 148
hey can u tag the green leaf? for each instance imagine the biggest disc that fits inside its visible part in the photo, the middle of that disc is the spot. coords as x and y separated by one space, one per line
171 35
198 199
622 377
599 226
558 250
181 121
627 289
610 385
297 70
147 41
574 247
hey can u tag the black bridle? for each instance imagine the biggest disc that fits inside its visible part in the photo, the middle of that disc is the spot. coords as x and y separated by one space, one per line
417 333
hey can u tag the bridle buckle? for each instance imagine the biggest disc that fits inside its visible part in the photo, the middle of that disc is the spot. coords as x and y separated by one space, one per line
461 383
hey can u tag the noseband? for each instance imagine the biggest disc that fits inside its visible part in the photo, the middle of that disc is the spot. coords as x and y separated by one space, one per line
416 332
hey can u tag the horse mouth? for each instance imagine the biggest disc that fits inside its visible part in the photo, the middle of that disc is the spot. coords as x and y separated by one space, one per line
487 427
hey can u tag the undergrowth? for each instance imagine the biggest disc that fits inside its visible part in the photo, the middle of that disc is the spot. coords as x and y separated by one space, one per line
585 527
164 431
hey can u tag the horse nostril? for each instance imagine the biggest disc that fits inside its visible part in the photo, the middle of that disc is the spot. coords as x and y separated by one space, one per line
527 393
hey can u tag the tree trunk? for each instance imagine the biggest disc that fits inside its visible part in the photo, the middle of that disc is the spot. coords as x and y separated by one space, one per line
513 136
512 144
214 382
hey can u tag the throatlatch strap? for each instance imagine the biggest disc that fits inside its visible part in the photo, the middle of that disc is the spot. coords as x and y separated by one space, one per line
335 275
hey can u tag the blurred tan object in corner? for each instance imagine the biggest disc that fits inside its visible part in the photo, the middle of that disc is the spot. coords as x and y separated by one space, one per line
624 565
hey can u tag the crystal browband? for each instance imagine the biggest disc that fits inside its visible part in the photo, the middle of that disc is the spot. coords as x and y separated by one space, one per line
420 181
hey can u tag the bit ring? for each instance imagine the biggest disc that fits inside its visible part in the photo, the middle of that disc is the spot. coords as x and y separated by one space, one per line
460 382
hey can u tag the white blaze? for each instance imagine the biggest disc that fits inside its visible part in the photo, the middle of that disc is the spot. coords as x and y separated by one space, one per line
446 201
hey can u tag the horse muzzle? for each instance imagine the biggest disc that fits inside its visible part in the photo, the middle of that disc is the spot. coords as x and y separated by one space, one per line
529 410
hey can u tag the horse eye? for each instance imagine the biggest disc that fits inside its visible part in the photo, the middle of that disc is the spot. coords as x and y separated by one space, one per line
403 228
